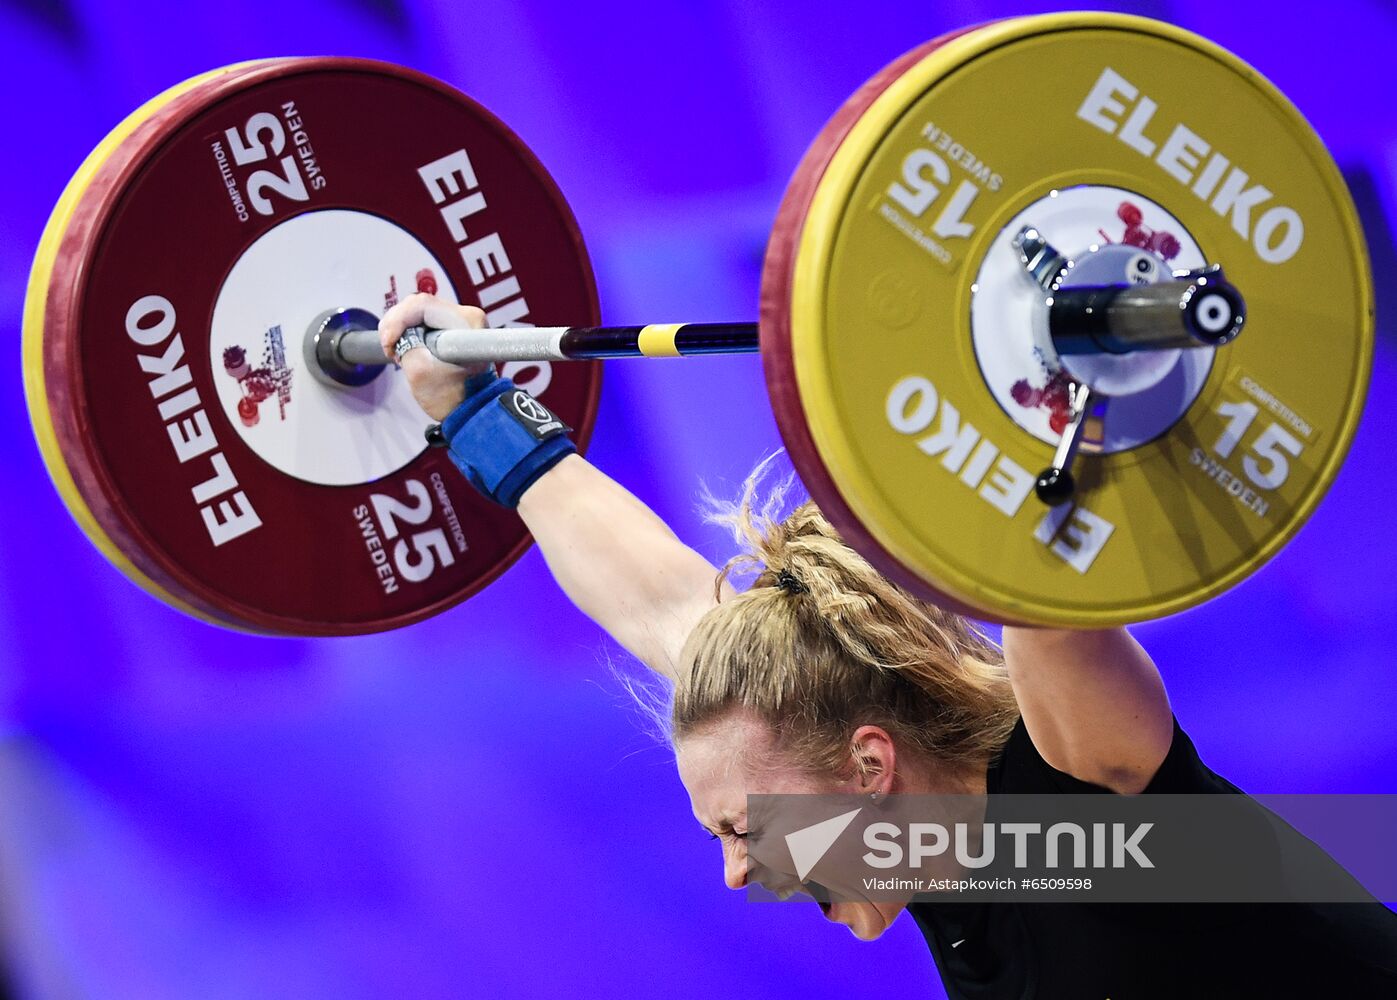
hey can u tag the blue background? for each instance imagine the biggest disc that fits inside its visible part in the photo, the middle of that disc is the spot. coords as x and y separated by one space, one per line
187 812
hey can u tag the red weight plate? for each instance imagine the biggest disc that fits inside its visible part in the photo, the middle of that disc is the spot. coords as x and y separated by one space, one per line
173 339
778 361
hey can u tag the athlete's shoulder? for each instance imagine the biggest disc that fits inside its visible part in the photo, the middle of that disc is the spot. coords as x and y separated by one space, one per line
1020 769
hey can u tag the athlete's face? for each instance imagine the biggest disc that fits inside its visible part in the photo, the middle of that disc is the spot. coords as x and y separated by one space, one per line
736 757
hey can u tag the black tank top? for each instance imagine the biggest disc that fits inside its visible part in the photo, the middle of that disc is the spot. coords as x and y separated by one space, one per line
1144 951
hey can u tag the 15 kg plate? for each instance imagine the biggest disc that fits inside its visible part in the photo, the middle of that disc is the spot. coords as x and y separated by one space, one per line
904 433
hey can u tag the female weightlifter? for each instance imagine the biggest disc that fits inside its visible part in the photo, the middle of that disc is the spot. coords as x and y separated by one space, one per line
824 677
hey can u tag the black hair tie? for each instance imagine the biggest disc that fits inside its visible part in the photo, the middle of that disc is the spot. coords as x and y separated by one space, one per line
785 581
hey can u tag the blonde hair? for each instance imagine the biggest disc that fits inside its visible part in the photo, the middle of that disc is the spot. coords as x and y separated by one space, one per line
821 644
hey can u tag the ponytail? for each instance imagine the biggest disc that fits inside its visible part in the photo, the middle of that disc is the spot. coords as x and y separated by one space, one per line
821 643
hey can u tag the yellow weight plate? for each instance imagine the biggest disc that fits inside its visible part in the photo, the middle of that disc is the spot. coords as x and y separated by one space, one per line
909 355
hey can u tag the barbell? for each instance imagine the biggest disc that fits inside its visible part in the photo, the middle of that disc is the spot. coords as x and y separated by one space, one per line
999 321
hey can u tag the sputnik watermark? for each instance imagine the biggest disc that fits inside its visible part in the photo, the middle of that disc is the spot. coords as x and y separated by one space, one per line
930 840
1153 848
973 845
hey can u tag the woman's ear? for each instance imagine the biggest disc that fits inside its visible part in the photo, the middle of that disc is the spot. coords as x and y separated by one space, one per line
875 761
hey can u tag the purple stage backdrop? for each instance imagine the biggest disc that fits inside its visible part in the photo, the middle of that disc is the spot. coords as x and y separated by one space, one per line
187 812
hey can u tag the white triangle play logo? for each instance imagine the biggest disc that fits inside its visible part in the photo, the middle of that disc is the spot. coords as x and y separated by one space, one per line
809 845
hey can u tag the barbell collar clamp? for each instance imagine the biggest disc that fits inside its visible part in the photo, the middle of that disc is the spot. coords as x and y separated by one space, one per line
1200 310
1056 484
336 344
1040 258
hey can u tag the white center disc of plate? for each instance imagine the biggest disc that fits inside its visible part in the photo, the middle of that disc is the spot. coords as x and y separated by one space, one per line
292 274
1005 298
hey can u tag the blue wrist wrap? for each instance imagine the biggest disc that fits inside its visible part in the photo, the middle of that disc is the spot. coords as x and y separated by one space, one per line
503 439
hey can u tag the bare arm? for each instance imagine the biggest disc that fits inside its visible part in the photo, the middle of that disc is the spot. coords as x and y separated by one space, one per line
1093 703
618 562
